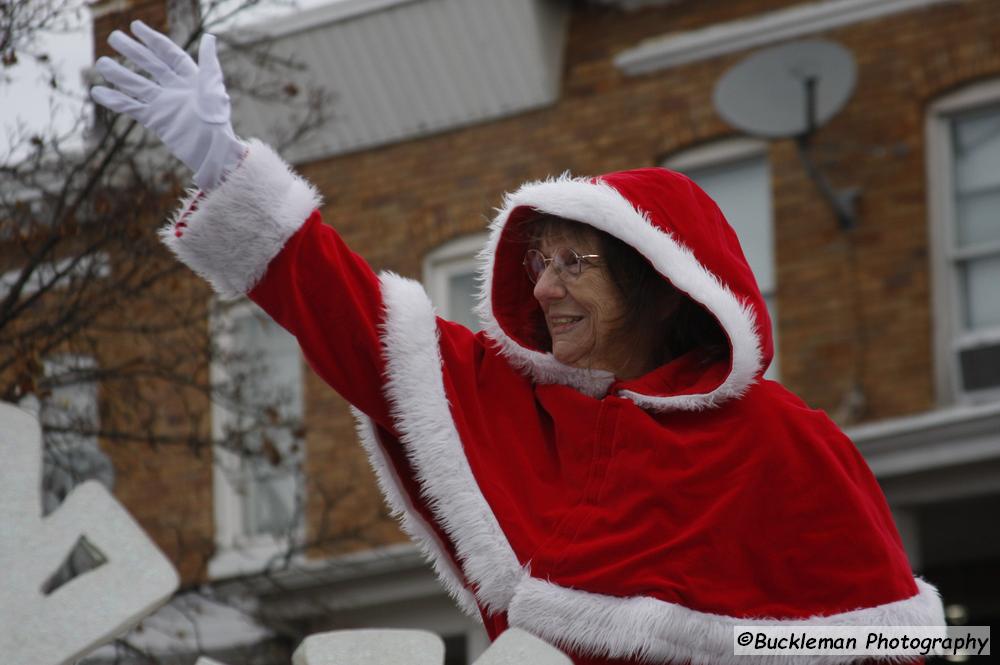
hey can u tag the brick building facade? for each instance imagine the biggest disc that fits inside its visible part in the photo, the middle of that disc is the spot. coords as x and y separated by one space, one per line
871 322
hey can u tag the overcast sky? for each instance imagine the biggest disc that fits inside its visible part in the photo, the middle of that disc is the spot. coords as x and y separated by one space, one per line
29 104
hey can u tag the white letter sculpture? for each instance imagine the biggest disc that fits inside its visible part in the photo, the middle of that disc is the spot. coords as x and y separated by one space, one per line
39 628
414 647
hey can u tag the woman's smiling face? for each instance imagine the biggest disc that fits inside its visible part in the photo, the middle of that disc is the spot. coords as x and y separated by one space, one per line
582 312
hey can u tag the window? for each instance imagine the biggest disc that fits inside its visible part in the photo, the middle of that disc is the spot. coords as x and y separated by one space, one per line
70 418
963 138
736 174
450 278
257 417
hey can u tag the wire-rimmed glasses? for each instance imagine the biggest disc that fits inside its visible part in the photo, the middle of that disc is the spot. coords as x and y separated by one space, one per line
566 261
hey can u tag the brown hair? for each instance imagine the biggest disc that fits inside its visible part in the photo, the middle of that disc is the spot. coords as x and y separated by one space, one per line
653 305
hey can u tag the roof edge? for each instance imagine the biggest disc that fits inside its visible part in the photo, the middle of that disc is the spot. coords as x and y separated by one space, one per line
309 19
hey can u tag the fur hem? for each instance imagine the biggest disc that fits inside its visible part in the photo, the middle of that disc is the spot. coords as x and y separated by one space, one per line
230 235
410 520
421 413
598 204
581 622
650 630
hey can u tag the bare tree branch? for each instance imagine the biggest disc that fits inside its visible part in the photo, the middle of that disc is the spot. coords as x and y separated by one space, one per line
90 299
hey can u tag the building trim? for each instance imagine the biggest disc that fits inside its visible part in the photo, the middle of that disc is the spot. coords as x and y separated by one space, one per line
634 5
368 579
317 17
695 45
99 9
930 441
304 573
730 149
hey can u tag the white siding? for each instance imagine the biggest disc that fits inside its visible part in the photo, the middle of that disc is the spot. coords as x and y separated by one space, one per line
409 68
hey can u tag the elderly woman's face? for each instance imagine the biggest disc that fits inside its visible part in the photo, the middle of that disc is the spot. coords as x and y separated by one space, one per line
582 312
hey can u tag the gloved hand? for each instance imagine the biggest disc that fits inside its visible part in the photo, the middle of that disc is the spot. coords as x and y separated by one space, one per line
185 104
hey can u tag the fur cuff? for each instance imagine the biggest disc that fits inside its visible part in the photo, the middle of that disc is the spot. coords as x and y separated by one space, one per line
229 235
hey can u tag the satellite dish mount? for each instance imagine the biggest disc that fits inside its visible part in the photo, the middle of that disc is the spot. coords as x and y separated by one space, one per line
789 91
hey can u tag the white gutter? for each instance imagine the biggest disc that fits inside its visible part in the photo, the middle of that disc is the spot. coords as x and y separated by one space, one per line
929 441
308 573
798 21
316 17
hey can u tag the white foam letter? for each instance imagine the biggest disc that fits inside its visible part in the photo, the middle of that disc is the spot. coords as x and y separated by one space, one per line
57 628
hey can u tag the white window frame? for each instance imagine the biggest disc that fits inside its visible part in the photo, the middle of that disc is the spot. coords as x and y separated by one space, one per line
945 287
453 257
237 553
718 153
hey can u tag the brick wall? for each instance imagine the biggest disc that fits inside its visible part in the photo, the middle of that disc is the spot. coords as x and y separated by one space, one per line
394 204
111 15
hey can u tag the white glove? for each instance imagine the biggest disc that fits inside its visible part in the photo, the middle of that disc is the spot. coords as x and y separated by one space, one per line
185 105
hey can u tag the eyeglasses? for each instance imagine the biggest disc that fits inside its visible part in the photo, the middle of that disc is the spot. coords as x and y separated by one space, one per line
566 262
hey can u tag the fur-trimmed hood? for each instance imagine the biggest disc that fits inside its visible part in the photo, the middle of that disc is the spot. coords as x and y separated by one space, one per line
614 521
674 224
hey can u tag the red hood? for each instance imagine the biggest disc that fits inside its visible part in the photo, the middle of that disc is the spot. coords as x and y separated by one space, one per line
672 222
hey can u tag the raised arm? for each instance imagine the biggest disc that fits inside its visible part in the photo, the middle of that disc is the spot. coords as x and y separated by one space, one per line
184 104
253 228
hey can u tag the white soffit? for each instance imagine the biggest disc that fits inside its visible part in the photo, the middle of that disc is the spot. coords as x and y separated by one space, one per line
931 440
798 21
401 69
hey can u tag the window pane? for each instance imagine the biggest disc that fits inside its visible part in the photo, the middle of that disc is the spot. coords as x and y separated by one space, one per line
976 145
743 191
275 355
270 474
462 299
978 217
269 506
976 153
980 278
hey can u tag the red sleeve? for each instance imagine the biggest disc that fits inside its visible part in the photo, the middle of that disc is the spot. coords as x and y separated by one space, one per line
329 298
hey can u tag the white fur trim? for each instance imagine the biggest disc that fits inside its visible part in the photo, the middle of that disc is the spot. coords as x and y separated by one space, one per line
651 630
421 413
410 519
236 229
601 206
579 621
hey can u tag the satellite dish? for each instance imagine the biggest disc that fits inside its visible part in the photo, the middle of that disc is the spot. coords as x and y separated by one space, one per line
787 90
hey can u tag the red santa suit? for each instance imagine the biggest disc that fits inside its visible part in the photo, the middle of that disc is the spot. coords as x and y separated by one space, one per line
621 520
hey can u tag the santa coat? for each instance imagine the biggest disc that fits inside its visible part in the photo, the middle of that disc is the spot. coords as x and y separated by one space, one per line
634 520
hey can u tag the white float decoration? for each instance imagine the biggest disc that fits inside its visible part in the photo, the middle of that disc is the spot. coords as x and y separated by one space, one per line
414 647
55 628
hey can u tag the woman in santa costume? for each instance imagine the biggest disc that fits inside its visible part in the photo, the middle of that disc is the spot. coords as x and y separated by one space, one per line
604 466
